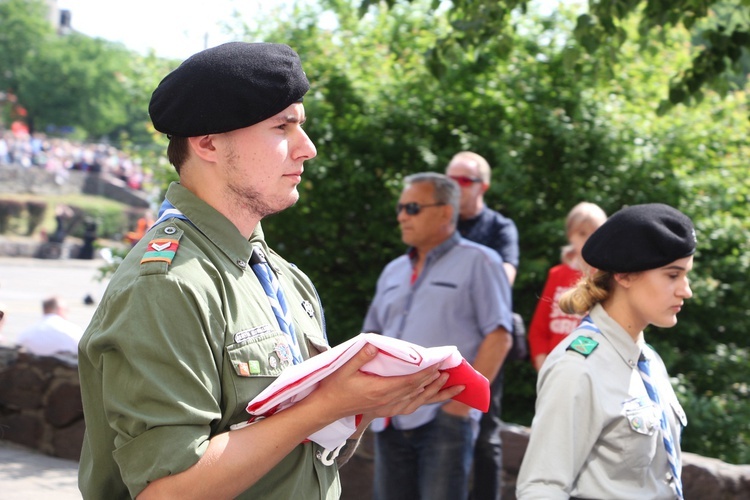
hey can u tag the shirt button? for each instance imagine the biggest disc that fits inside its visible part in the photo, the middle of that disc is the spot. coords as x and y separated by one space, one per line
241 263
669 476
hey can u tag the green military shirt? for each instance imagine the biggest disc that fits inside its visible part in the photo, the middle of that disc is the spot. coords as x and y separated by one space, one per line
182 340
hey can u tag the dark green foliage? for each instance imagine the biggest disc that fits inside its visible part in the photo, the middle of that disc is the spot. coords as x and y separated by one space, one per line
721 32
96 87
36 211
555 137
111 221
9 209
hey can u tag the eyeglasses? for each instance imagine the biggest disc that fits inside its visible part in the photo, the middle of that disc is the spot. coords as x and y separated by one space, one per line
414 208
465 181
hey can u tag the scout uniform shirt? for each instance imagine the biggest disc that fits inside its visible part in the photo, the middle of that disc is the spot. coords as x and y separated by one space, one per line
183 339
596 433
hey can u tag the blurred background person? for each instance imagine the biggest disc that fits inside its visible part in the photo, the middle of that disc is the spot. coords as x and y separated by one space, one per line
550 325
444 291
480 224
53 334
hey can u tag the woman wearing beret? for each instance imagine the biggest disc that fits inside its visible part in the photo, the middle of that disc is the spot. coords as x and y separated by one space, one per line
607 422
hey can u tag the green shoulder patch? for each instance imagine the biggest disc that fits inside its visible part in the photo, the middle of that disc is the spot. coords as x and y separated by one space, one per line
583 345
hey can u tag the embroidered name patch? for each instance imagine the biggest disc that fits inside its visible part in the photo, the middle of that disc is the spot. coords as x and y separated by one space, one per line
253 332
161 250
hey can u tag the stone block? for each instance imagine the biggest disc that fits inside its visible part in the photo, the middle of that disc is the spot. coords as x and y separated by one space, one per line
27 430
64 405
515 439
21 388
66 443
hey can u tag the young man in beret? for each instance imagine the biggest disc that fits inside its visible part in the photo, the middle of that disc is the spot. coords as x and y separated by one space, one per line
186 334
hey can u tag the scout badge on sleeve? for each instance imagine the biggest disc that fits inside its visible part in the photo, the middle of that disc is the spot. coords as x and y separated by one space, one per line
161 250
583 345
395 357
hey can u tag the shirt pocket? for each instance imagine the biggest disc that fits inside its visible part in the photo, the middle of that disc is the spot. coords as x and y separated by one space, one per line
251 366
641 432
315 345
261 356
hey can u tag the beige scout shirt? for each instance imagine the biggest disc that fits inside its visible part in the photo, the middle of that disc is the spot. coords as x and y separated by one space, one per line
175 351
595 433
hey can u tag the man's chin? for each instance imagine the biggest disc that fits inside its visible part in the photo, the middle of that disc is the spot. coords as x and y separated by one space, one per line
283 205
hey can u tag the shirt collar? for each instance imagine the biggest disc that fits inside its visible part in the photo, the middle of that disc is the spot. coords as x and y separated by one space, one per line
439 250
616 335
214 226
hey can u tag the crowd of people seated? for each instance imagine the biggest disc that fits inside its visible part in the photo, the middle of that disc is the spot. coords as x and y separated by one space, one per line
60 155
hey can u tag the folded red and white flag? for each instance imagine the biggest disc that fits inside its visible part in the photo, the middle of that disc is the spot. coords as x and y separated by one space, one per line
394 357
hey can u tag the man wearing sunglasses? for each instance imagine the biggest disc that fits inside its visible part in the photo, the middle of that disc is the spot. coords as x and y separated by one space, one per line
445 290
485 226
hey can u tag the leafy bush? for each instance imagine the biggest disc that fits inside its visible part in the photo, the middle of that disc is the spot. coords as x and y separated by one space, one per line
555 136
9 209
36 211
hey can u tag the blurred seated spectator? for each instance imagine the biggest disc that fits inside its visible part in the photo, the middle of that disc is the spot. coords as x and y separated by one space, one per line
53 334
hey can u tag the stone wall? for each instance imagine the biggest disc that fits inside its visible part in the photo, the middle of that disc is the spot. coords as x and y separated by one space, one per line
40 407
35 180
40 403
703 478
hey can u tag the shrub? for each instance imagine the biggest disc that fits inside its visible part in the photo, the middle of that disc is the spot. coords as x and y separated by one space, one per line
36 210
8 210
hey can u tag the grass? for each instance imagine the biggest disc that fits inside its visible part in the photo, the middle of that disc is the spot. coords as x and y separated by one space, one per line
97 205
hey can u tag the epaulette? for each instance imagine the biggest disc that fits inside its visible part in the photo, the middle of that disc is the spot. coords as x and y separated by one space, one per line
583 345
163 246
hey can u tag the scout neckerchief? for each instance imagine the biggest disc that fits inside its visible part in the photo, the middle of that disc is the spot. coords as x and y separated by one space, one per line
645 372
275 294
267 278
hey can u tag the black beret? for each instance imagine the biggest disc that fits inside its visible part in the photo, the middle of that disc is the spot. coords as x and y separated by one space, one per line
639 238
227 87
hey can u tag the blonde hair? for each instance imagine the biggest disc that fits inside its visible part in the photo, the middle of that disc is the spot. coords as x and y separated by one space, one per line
482 164
589 291
584 213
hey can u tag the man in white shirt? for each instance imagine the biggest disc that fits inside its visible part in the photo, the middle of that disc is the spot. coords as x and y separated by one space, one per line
53 334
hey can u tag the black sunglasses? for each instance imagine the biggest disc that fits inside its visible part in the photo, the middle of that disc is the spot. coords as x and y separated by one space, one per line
414 208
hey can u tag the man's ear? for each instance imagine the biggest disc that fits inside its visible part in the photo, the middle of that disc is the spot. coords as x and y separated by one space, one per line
203 147
485 187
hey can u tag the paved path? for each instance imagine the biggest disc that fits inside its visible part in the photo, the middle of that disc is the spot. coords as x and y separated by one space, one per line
24 283
26 474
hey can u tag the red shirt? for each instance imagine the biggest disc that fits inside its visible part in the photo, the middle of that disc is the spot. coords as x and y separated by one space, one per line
549 325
